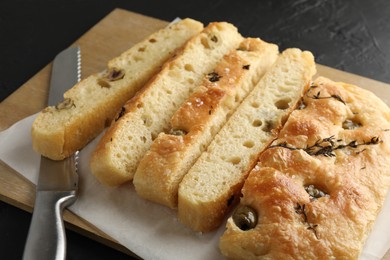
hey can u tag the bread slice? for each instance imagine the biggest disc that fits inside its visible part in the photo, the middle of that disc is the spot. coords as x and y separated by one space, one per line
197 121
124 144
212 185
317 191
59 131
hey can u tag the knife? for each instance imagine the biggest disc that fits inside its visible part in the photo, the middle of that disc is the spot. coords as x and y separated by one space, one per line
58 180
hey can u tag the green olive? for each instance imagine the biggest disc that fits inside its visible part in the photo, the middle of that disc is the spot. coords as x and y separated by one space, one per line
314 192
114 74
351 124
245 217
178 132
65 104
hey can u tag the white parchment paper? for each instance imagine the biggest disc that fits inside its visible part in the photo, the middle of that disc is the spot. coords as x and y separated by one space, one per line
147 229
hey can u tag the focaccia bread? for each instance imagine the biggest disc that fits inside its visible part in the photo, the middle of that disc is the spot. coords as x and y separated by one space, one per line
61 130
118 153
319 187
212 185
199 119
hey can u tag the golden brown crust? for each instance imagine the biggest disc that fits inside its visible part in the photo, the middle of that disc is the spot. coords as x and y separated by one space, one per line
340 143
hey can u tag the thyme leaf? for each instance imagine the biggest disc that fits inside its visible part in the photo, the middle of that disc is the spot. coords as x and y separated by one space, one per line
338 98
301 209
318 96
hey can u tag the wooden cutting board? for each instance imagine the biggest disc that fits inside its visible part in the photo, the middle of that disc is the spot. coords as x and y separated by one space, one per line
114 34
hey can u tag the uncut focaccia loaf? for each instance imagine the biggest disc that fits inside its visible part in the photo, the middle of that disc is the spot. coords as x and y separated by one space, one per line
90 105
145 116
198 120
212 185
319 187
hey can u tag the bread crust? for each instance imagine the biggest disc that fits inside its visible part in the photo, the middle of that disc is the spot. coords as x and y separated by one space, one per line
199 118
212 185
352 172
118 153
59 131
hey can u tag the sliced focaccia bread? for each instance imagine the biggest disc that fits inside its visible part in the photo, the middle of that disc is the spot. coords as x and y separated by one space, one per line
59 131
200 117
145 116
319 187
213 184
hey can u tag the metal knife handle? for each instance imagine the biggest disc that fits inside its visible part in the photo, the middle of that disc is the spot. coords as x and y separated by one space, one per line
46 236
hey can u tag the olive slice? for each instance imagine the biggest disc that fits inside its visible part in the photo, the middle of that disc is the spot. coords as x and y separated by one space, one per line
351 124
65 104
245 217
114 74
178 132
314 192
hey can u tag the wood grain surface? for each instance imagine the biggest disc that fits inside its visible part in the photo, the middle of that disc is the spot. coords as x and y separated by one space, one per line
111 36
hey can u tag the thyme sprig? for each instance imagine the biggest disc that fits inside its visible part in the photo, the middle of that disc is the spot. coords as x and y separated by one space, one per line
301 209
335 96
318 95
327 146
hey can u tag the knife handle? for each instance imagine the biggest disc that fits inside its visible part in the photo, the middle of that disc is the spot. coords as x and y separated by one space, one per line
46 236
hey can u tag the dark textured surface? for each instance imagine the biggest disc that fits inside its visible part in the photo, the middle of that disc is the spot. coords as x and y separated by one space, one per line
349 35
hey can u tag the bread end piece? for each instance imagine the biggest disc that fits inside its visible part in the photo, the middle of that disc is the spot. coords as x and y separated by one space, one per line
90 105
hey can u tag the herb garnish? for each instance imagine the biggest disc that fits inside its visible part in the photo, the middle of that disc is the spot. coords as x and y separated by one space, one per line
246 67
327 146
214 38
300 209
213 76
335 96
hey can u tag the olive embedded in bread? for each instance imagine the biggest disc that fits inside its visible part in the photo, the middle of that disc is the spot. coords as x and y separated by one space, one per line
245 217
178 132
351 124
114 74
314 192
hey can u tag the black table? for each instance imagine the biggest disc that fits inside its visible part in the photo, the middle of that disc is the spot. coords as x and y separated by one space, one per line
349 35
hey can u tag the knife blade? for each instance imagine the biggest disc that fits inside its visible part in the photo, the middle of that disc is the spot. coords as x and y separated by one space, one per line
58 180
65 73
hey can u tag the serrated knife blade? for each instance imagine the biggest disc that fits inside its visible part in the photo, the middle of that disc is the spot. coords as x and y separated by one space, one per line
58 180
65 73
